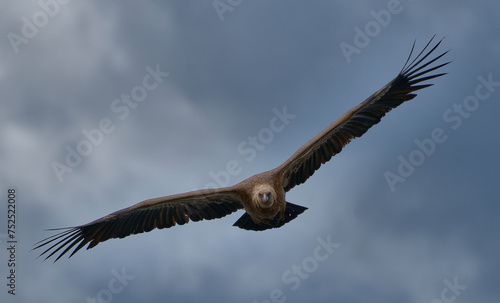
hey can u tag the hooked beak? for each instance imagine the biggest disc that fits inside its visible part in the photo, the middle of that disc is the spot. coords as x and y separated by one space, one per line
265 197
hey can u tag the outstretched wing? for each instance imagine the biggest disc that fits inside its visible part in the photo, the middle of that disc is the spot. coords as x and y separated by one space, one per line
145 216
301 165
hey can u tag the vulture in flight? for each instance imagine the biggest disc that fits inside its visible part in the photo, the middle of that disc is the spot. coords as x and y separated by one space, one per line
262 196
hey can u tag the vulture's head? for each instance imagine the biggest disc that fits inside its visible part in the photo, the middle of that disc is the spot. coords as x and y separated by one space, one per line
264 195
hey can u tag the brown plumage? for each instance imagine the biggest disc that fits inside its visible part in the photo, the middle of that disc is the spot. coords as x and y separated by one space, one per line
262 196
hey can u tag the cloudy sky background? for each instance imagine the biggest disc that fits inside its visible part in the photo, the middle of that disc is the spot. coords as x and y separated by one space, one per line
227 72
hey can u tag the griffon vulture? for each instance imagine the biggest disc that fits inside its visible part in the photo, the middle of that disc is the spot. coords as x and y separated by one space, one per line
262 196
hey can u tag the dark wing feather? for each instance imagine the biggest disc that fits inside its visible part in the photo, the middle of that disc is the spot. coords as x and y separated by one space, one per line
301 165
291 212
158 213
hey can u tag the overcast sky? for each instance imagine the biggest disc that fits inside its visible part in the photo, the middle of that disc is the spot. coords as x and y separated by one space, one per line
209 76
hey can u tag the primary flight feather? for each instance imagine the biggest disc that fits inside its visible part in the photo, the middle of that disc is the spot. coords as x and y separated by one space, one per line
262 196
